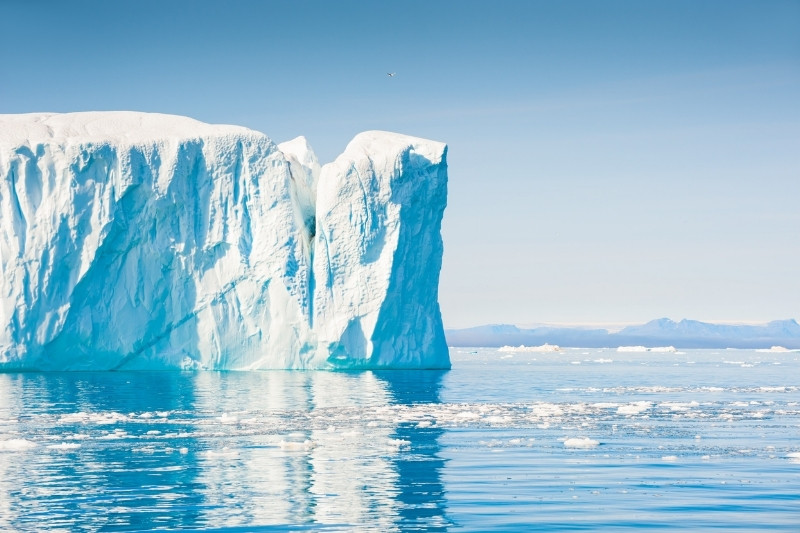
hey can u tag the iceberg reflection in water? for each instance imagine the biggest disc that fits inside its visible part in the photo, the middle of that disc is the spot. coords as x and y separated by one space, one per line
182 450
576 439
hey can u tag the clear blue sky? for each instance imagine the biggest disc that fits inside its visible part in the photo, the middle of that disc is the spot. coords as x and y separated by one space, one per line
610 161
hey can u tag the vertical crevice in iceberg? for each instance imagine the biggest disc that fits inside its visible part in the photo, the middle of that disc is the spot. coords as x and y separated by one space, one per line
18 221
304 170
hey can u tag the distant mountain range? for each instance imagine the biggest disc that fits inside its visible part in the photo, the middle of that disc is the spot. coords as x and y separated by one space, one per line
660 332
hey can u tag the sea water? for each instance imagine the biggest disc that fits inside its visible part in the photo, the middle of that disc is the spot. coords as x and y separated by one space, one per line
697 440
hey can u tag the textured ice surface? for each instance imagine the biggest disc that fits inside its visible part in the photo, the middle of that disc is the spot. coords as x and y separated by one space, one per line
140 241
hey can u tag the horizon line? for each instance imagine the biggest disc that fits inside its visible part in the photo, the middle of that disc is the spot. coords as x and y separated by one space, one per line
620 324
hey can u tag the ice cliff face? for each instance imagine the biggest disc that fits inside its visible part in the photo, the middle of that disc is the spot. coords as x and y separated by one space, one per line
142 241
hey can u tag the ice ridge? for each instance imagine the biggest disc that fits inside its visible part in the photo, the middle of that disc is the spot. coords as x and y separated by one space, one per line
146 241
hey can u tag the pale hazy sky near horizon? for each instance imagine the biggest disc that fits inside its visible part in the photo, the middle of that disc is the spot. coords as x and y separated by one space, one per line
610 161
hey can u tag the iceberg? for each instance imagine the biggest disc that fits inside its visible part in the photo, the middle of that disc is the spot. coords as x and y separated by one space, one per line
146 241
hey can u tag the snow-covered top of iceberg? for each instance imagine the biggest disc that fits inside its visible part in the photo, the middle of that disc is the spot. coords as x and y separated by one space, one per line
113 127
385 142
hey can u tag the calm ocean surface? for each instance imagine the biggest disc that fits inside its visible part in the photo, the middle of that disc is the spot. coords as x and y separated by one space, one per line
698 440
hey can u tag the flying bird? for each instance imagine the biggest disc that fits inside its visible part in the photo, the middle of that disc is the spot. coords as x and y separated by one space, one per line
391 74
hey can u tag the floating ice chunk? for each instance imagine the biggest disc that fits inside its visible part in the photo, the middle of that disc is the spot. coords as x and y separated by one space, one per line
580 443
399 444
605 405
544 410
794 457
117 434
224 452
522 348
16 445
670 349
64 446
227 419
679 406
294 446
634 408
